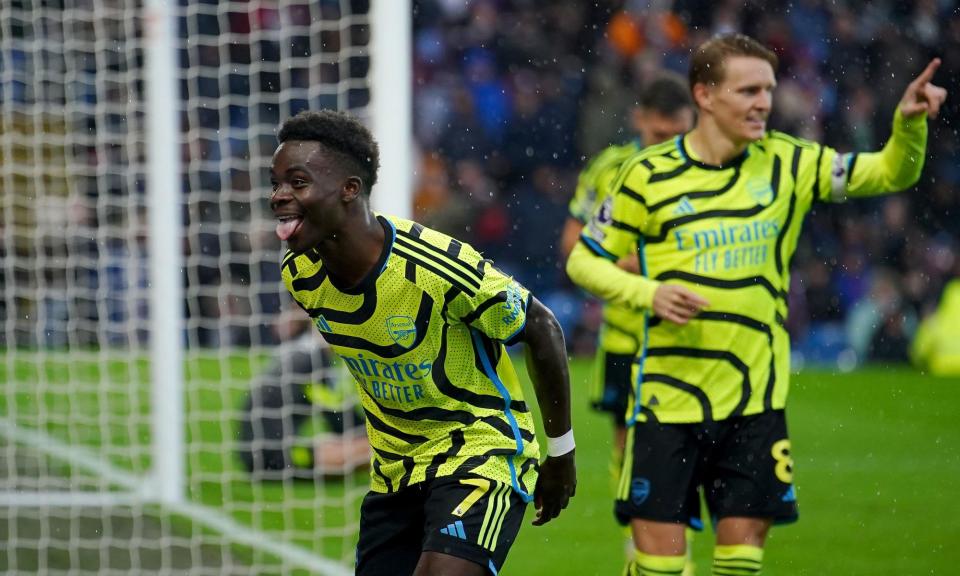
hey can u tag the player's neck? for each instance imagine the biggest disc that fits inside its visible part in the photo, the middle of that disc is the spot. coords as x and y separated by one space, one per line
711 146
352 252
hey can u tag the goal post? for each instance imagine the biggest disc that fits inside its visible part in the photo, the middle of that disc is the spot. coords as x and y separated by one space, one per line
168 471
143 374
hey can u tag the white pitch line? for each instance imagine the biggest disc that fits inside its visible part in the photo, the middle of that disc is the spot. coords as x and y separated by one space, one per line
92 462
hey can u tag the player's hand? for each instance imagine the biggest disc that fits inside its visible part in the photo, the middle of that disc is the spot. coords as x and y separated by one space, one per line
923 96
677 304
555 487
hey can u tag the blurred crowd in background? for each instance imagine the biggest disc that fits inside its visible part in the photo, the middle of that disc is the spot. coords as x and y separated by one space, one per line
511 99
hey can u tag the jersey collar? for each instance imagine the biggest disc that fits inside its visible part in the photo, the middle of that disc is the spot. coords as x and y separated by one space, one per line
389 235
681 143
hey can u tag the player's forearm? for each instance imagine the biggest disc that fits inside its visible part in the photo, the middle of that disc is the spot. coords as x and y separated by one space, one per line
898 165
546 357
606 280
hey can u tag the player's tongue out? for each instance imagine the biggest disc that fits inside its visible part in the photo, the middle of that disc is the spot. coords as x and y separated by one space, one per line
288 227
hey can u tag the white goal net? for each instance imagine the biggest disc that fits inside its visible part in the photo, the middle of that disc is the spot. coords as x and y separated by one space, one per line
115 456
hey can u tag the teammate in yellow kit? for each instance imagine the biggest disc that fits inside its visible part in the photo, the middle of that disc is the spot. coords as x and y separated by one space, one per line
714 217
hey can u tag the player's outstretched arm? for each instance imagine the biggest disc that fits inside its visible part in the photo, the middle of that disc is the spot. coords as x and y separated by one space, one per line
922 96
547 366
899 164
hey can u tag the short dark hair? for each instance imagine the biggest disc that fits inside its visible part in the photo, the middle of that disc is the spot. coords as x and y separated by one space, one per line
342 135
667 94
706 65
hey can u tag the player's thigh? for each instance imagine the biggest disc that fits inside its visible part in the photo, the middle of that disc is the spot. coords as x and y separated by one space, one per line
751 471
661 475
391 532
472 518
437 564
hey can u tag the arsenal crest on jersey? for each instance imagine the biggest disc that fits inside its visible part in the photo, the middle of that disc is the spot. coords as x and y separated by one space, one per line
402 330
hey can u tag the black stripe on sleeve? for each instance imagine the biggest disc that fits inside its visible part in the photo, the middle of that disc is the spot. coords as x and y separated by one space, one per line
632 194
444 273
816 177
425 247
453 249
415 231
853 162
778 247
410 272
479 310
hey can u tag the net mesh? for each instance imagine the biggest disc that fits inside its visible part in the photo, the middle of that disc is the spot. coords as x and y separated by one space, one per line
75 321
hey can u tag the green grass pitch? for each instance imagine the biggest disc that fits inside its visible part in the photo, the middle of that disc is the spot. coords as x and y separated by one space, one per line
877 469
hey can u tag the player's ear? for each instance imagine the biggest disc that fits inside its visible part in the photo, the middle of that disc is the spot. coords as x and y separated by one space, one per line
351 189
702 95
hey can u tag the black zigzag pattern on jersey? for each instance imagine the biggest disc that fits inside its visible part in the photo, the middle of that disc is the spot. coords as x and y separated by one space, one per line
437 266
408 465
459 416
778 252
410 271
684 387
377 470
453 249
500 298
482 266
442 256
474 462
290 261
422 323
663 176
384 428
816 178
727 284
707 354
759 326
524 468
354 317
462 394
625 227
734 213
632 194
311 282
698 193
456 443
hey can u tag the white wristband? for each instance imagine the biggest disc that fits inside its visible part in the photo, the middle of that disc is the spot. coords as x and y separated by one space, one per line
562 445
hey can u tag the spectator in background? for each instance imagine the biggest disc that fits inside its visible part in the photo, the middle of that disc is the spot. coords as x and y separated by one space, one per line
276 441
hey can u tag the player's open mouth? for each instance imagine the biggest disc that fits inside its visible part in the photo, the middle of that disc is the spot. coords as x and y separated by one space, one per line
288 225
